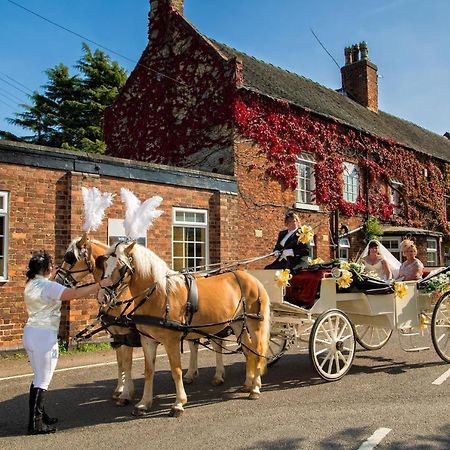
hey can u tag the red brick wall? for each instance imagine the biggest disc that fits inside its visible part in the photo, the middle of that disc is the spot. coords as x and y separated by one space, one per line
46 213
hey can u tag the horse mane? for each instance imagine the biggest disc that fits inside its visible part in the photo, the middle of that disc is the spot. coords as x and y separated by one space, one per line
147 264
76 251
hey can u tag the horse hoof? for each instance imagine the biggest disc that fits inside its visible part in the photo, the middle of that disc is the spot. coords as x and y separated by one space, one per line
254 396
116 395
245 389
175 412
139 412
217 381
188 380
122 402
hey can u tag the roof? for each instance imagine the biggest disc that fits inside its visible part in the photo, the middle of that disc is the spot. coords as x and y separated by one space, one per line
278 83
395 230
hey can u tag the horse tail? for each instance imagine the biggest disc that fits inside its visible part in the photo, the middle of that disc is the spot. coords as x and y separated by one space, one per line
265 328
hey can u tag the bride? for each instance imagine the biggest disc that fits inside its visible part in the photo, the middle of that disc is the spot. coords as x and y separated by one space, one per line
379 262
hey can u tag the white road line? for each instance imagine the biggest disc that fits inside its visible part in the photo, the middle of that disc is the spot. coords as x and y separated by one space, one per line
442 378
375 439
109 363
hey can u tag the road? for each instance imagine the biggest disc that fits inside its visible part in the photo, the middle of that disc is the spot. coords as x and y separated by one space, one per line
388 394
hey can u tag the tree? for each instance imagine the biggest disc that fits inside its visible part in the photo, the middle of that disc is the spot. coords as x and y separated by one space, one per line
69 112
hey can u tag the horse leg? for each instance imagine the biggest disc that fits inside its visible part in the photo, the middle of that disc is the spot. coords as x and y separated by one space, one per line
128 388
237 330
149 346
120 374
192 372
219 375
172 347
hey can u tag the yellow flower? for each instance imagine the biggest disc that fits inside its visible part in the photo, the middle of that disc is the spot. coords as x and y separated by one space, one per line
282 277
305 234
315 261
345 265
345 280
400 289
424 321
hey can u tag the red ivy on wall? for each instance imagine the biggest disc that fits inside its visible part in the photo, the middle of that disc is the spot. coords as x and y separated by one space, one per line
283 133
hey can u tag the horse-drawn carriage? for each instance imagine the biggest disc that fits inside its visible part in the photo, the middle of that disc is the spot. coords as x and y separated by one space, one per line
327 320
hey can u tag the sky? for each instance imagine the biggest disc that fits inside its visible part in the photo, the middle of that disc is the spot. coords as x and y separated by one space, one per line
408 40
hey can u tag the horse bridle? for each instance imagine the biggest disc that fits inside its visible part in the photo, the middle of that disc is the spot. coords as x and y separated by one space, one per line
65 276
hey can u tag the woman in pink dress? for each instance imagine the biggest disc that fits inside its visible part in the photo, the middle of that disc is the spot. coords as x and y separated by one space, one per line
412 268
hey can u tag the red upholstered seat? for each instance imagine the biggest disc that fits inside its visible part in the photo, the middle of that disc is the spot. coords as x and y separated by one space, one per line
304 287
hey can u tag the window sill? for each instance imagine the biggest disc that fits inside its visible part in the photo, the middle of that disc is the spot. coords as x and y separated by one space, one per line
307 206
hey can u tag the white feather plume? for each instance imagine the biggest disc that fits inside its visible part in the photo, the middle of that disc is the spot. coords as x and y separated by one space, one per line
139 217
94 206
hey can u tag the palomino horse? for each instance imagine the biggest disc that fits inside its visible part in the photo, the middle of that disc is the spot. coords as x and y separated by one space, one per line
80 261
235 299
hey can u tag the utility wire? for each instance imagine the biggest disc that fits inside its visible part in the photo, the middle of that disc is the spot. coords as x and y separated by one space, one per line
15 81
95 43
15 87
318 40
7 104
12 96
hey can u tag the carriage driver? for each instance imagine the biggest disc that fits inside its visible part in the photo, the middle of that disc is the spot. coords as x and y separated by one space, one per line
288 249
43 302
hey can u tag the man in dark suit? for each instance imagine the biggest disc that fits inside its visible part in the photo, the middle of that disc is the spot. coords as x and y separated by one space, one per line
288 249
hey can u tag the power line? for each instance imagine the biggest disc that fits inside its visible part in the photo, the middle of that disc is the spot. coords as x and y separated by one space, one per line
7 104
15 81
15 87
329 54
12 96
95 43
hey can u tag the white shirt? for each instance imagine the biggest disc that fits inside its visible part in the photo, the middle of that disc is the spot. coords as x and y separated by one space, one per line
43 301
288 235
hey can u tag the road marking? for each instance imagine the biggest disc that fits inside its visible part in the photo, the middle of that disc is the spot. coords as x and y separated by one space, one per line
375 439
109 363
442 378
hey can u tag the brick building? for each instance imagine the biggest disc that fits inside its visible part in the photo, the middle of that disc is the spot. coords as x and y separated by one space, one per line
290 142
242 142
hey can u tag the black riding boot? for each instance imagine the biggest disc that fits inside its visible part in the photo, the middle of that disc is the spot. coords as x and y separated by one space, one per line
45 417
36 423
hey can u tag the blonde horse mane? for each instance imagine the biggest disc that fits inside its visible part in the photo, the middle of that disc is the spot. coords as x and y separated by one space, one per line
148 264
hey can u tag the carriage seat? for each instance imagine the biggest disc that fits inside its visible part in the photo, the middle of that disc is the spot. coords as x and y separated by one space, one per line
304 286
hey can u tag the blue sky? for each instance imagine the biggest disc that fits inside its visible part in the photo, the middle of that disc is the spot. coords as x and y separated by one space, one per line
408 40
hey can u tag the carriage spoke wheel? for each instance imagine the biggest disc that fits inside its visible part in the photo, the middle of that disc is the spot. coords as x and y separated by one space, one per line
370 337
277 348
332 345
440 327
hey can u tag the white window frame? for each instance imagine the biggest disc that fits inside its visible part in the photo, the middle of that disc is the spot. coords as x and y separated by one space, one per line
4 216
388 241
188 223
395 198
116 233
350 182
432 252
306 182
344 249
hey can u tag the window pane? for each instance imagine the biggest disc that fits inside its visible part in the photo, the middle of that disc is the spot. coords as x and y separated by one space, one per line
2 202
177 233
178 250
200 217
178 264
2 226
189 216
2 246
179 216
200 234
431 244
189 234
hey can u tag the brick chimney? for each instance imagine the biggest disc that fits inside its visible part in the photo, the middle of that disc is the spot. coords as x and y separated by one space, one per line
360 76
159 10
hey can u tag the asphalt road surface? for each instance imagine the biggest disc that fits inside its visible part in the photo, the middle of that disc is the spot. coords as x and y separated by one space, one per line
390 399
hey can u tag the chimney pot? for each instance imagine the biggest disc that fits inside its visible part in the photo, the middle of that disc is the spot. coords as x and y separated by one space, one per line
355 53
364 50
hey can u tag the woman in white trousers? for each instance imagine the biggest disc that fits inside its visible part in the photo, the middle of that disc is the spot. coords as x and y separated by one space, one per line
43 301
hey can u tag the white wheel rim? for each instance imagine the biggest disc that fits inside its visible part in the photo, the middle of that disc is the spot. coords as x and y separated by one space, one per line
442 328
333 346
373 337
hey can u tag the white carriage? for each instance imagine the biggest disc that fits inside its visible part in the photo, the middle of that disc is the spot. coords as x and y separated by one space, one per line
331 326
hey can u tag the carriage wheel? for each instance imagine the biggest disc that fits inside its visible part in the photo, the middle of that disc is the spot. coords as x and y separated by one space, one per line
370 337
440 327
332 345
277 347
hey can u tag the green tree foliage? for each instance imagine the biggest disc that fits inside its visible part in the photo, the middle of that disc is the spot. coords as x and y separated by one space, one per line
69 111
372 229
